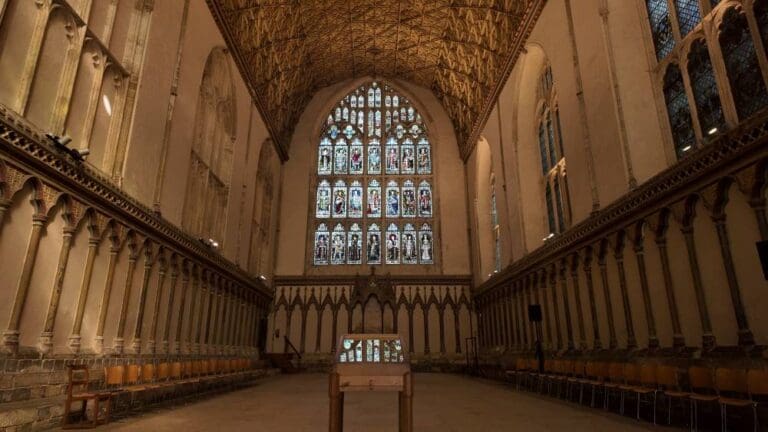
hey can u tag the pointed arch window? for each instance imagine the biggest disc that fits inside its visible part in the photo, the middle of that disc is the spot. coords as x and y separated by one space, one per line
678 110
744 73
374 181
724 85
551 151
205 205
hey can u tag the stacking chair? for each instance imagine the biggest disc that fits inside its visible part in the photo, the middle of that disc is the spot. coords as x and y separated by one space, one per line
578 377
595 376
669 384
615 379
647 386
702 390
733 390
78 391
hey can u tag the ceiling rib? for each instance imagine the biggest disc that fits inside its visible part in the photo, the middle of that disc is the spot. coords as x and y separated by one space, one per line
463 50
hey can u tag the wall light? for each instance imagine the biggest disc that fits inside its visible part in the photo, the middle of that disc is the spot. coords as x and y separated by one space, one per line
107 104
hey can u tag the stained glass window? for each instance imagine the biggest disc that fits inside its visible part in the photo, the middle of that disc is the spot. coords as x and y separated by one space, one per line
374 182
661 27
393 244
678 111
761 16
322 237
410 251
705 89
688 15
551 151
744 73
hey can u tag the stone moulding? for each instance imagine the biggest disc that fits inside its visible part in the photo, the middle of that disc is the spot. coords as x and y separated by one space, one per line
730 153
27 149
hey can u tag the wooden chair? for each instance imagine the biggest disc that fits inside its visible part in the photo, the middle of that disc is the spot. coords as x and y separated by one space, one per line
163 372
114 378
615 379
597 374
517 373
669 384
702 390
733 390
78 391
578 377
647 385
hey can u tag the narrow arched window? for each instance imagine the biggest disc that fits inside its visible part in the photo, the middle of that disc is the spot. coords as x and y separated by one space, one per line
678 111
374 181
688 15
205 206
702 76
551 150
495 227
661 27
744 75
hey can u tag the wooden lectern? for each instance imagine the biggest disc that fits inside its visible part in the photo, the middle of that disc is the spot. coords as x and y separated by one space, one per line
370 362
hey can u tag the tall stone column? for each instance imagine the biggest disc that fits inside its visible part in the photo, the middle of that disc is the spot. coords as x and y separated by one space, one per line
653 339
597 344
582 345
106 296
556 306
708 341
11 334
201 312
152 343
93 244
183 310
566 304
545 304
137 329
618 254
746 338
171 298
678 340
193 294
45 342
212 312
612 342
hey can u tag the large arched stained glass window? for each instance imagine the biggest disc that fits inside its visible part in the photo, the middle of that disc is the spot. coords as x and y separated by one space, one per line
374 183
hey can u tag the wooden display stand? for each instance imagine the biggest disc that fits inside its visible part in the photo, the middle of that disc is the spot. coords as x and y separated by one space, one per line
371 362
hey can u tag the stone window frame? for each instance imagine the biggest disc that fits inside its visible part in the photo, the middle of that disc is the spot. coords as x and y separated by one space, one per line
708 30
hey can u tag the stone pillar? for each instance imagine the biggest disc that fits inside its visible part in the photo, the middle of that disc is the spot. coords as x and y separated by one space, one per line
678 340
85 284
212 311
566 304
166 349
545 305
45 342
577 296
182 307
612 342
746 338
653 339
190 343
555 305
708 341
618 254
137 330
597 344
152 344
113 252
11 334
201 313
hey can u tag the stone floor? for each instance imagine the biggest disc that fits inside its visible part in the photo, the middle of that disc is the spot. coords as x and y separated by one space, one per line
297 403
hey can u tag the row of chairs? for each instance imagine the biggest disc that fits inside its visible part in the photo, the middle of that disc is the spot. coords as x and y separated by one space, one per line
726 387
139 377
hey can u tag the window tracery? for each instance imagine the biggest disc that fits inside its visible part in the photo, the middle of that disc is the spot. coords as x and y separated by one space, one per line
725 84
208 182
374 174
553 163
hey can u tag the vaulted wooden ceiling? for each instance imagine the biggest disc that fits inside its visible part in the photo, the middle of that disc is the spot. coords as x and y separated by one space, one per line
463 50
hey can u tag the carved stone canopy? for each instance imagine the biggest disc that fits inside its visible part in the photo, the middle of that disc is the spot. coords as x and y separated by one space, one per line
463 50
